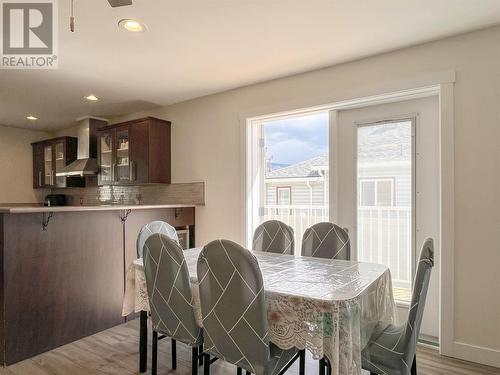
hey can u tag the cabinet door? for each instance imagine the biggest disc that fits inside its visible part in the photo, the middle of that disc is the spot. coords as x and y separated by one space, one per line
38 166
48 165
60 162
139 153
105 158
124 172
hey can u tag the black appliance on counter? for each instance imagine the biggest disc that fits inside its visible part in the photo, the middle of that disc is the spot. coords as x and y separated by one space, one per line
55 200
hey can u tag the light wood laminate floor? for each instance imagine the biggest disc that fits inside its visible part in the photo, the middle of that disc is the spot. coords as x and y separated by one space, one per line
115 352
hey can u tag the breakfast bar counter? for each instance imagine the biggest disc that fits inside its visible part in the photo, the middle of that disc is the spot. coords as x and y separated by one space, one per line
63 270
34 208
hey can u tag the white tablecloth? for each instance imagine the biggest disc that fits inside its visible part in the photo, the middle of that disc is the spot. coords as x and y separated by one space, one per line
326 306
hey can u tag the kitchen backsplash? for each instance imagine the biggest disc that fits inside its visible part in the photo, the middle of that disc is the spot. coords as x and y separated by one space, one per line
183 193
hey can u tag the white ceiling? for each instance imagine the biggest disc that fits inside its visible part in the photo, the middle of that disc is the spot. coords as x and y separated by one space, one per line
197 47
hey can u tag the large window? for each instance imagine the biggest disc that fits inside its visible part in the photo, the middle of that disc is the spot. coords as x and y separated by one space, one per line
291 180
380 163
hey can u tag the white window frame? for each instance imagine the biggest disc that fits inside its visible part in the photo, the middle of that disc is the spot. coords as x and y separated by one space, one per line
255 161
285 188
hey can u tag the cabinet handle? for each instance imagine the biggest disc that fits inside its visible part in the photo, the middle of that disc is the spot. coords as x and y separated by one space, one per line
132 173
39 178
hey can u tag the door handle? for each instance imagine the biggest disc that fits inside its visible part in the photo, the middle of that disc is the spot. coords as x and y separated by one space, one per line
39 178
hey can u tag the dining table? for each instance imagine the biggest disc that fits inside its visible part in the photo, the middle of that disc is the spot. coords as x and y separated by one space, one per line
328 307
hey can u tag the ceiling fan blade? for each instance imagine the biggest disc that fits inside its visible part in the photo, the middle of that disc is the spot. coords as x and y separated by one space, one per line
119 3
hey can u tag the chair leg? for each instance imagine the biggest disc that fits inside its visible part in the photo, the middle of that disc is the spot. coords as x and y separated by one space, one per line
206 364
143 342
154 354
302 362
174 354
322 366
414 366
194 361
239 371
200 355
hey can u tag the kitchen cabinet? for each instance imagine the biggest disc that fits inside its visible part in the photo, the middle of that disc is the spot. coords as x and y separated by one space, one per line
49 157
134 152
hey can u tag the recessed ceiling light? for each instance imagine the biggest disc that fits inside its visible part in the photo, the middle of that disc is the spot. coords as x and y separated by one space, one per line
32 118
92 98
132 25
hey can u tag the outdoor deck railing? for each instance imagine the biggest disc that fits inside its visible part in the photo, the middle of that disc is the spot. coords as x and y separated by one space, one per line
383 235
298 217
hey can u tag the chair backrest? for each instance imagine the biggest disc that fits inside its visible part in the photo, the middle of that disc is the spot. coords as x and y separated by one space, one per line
273 236
233 305
419 294
152 228
326 240
169 290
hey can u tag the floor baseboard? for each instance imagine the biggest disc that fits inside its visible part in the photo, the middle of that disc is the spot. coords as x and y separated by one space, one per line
478 354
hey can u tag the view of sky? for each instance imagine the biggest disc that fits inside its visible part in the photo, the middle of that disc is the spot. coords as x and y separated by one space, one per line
294 140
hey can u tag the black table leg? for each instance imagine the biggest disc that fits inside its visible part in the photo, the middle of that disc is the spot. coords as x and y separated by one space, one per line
143 342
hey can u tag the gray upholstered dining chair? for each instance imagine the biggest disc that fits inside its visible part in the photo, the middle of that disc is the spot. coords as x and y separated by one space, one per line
273 236
234 310
391 349
326 240
170 297
152 228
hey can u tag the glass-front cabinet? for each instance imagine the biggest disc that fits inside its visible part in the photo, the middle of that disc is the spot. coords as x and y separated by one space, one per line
105 158
48 166
123 164
60 163
114 156
49 157
134 152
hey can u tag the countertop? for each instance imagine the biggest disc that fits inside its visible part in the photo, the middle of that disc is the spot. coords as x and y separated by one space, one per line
36 208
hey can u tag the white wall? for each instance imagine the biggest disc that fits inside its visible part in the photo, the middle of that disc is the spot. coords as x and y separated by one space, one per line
16 165
207 143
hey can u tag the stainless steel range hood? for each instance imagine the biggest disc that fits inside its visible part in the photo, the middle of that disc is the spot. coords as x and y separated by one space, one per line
86 164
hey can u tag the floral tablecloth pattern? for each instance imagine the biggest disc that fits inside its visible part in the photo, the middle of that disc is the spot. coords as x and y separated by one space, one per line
326 306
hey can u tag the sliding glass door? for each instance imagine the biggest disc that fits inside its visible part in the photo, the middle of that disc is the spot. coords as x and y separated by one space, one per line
387 189
385 183
382 184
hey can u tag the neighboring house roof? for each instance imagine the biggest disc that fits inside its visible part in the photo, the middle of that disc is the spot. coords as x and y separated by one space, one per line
306 168
384 143
376 144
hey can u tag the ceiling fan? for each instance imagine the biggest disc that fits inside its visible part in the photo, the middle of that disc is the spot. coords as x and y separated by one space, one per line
113 3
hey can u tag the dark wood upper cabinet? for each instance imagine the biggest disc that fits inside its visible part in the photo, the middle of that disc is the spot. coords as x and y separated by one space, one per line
50 156
134 152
